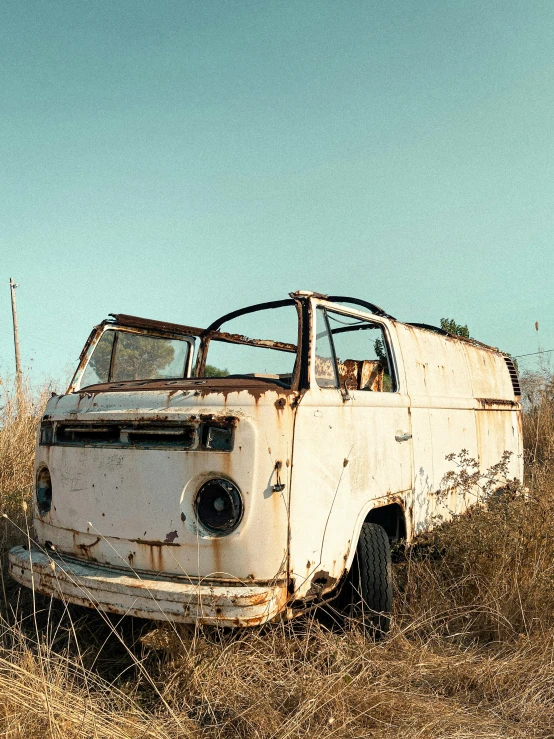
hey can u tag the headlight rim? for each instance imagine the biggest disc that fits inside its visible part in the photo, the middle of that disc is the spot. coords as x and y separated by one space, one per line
211 531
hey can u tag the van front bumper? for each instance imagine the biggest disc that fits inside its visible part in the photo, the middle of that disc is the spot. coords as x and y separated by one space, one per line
115 591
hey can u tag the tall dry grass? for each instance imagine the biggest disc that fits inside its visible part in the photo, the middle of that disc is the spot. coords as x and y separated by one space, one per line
19 418
470 653
538 424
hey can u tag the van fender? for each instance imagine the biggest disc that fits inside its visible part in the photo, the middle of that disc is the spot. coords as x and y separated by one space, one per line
362 517
353 543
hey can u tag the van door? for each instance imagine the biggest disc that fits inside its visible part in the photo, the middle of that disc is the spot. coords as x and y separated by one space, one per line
352 441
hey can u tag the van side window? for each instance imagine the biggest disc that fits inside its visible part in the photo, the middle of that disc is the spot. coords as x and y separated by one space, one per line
325 367
360 352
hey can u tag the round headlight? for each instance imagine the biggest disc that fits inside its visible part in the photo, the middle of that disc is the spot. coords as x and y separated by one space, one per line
219 506
44 491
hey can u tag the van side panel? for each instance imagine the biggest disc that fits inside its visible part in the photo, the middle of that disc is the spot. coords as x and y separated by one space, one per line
489 374
498 414
443 418
452 385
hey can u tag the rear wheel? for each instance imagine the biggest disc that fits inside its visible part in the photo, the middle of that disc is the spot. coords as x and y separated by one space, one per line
368 590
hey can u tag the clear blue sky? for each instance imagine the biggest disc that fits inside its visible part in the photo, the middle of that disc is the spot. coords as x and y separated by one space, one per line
180 159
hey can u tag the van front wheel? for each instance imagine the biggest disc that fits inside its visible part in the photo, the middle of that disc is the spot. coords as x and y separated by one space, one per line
369 582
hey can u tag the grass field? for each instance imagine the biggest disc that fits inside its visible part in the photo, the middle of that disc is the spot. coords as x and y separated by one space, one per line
470 652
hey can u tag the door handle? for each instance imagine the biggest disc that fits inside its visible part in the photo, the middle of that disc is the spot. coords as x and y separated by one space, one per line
402 437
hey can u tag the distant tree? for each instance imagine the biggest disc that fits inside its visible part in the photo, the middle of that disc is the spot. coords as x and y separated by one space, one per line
101 357
456 329
212 371
381 354
138 357
379 348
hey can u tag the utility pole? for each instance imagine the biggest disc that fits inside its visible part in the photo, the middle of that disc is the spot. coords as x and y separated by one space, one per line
13 285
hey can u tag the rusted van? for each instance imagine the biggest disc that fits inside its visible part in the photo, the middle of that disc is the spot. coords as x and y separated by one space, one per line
199 475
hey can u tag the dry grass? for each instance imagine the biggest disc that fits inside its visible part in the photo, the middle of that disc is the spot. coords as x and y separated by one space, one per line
538 424
18 423
470 654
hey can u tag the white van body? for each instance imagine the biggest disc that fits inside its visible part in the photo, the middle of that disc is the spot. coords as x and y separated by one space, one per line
127 471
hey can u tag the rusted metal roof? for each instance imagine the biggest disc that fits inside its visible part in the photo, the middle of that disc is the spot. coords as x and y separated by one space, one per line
122 319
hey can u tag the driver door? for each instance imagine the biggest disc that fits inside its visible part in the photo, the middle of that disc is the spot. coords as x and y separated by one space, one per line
352 439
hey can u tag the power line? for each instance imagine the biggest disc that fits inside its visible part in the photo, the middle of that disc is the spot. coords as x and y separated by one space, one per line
532 354
41 340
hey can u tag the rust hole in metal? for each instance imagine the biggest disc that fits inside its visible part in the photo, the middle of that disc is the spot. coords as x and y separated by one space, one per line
321 581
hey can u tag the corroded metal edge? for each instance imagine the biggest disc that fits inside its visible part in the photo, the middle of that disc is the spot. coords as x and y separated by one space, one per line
152 598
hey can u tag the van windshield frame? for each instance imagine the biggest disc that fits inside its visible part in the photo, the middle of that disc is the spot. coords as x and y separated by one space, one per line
120 351
214 334
162 329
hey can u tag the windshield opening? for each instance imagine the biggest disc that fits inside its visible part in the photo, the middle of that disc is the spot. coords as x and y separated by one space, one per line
239 353
125 356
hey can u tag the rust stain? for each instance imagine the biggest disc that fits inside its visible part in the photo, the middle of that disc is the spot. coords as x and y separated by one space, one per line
227 465
265 343
255 387
216 554
485 402
84 548
154 543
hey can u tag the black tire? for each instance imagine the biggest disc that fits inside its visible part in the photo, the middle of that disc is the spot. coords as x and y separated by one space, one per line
369 584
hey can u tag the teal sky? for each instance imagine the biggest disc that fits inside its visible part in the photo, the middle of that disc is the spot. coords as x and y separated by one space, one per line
181 159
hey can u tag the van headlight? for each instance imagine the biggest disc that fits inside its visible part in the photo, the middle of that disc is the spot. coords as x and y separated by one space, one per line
218 506
44 491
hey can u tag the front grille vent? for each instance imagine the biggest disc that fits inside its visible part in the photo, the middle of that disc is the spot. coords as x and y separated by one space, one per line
200 435
513 376
182 437
86 434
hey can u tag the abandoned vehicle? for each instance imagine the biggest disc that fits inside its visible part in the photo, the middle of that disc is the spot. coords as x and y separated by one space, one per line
198 475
